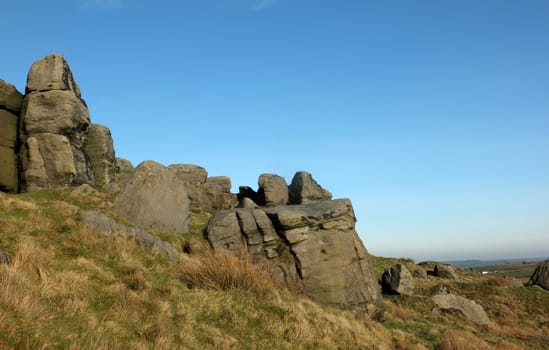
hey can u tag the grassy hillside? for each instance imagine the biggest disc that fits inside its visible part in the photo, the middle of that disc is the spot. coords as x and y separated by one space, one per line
70 287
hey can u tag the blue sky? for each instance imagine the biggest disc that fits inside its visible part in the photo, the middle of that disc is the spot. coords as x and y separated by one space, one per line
432 116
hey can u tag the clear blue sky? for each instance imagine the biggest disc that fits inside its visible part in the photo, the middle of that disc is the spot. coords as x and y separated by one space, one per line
432 116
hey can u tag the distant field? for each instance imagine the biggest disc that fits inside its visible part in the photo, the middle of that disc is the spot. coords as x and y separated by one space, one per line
521 271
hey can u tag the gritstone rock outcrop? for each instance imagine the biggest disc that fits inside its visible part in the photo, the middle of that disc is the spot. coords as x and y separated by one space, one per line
311 248
47 141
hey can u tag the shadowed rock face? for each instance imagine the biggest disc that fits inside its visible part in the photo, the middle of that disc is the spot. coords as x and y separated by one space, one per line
540 277
312 248
304 189
54 128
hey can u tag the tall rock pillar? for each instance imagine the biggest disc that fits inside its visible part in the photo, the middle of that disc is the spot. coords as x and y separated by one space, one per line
53 129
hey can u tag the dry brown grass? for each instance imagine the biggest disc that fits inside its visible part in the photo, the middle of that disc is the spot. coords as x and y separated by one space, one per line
223 271
461 340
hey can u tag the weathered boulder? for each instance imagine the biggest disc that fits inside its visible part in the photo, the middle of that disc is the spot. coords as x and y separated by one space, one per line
100 149
313 249
8 157
273 190
107 225
304 189
397 280
53 118
193 177
5 258
420 273
540 277
444 271
153 198
217 193
10 98
471 310
51 73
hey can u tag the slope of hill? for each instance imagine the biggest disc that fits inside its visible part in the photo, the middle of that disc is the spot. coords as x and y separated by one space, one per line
73 287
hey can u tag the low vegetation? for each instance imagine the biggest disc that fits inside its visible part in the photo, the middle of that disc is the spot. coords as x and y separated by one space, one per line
70 287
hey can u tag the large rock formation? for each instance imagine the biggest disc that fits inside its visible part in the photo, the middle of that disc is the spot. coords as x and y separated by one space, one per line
397 280
100 148
313 249
10 108
154 199
54 128
540 277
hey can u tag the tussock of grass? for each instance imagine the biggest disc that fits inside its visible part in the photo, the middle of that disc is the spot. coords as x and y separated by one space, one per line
223 271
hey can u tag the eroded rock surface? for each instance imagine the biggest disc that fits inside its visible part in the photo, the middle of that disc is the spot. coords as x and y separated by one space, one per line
312 248
154 199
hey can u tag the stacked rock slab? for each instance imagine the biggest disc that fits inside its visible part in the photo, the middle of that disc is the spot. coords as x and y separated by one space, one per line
311 248
54 128
10 109
100 149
